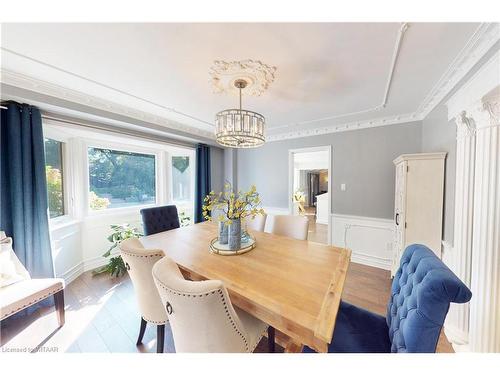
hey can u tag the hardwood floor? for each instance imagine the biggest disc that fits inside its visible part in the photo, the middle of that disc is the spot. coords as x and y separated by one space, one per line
102 316
316 232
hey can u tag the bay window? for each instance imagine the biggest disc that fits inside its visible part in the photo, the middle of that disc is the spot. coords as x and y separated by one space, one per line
120 178
54 175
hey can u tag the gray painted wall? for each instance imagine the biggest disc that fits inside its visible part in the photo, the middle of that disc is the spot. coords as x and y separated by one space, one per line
439 134
362 159
217 168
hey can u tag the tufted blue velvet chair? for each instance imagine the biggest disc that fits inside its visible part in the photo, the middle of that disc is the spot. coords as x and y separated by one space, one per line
421 293
159 219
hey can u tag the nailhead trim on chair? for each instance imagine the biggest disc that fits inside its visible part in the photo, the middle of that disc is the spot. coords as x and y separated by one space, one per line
142 256
231 320
128 268
29 304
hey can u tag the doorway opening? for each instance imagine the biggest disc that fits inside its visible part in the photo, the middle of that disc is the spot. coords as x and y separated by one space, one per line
310 189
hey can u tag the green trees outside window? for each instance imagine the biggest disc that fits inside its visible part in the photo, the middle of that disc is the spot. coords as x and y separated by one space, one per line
54 175
120 178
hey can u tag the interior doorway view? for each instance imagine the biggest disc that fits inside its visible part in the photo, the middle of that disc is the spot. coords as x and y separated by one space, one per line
310 189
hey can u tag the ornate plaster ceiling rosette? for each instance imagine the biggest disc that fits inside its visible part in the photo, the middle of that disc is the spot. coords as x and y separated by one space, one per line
257 75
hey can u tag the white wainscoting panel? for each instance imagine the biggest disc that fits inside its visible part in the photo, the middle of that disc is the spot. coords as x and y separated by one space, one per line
369 239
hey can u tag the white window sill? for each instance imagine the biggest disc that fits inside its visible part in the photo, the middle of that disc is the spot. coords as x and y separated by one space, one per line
118 211
62 222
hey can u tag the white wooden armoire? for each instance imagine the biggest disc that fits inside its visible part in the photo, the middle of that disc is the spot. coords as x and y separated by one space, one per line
418 207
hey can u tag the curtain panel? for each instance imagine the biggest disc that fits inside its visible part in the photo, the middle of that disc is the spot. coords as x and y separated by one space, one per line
24 210
203 184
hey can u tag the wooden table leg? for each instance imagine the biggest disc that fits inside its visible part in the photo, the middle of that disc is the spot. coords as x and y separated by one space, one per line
270 339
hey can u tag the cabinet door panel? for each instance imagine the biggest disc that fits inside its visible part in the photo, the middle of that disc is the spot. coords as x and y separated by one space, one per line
399 215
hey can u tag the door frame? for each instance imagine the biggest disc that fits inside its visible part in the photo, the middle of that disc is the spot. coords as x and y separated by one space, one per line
291 153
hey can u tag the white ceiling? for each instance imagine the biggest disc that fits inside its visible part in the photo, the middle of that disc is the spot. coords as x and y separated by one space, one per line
323 69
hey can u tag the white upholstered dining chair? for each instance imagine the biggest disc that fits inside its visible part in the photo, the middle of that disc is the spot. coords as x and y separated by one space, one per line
258 223
139 263
201 315
293 226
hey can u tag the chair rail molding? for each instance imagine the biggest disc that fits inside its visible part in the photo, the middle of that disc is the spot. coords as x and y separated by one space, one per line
476 256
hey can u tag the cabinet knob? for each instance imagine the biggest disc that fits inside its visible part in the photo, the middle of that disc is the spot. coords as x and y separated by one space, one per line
397 218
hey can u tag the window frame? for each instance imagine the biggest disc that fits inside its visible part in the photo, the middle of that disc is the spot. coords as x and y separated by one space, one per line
192 164
78 139
65 175
116 146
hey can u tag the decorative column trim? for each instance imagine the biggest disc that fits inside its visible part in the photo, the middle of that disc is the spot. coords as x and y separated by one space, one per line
457 322
485 266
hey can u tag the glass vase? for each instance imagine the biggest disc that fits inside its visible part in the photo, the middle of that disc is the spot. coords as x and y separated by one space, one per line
235 234
223 233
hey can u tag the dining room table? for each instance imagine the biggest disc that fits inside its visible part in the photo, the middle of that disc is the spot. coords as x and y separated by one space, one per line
292 285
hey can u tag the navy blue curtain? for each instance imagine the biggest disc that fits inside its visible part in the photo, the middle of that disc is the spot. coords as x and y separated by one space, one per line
202 180
23 185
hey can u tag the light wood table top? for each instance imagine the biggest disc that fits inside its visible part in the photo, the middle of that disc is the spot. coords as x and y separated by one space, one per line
294 286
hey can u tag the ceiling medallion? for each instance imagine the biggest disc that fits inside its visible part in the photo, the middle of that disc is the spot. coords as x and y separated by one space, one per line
257 75
240 128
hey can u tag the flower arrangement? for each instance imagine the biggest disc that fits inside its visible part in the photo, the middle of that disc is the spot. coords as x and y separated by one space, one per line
232 206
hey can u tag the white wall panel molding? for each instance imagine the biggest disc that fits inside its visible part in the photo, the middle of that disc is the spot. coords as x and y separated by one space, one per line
370 239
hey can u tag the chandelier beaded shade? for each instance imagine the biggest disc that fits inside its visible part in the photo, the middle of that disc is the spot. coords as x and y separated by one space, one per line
239 128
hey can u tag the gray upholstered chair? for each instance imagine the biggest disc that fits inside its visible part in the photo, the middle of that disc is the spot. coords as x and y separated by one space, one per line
159 219
139 263
201 315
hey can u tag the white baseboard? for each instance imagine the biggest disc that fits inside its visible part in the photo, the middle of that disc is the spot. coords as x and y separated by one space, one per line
370 239
84 266
371 260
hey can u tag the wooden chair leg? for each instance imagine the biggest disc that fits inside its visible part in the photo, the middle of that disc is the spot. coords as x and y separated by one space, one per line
141 331
270 339
160 338
59 302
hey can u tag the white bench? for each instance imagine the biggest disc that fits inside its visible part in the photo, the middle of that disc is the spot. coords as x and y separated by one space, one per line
25 291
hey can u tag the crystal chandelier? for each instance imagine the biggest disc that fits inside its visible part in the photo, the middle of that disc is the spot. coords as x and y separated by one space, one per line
239 128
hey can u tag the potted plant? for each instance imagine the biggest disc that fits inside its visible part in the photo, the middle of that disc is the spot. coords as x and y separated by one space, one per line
231 208
116 266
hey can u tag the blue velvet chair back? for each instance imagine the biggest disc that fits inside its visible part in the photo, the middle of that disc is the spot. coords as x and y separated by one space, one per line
159 219
421 293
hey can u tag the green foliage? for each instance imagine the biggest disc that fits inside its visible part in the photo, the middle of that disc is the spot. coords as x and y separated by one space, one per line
54 191
97 203
181 163
123 175
184 219
116 266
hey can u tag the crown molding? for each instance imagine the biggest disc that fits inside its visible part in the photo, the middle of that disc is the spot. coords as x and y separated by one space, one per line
483 39
355 125
33 84
485 36
395 54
